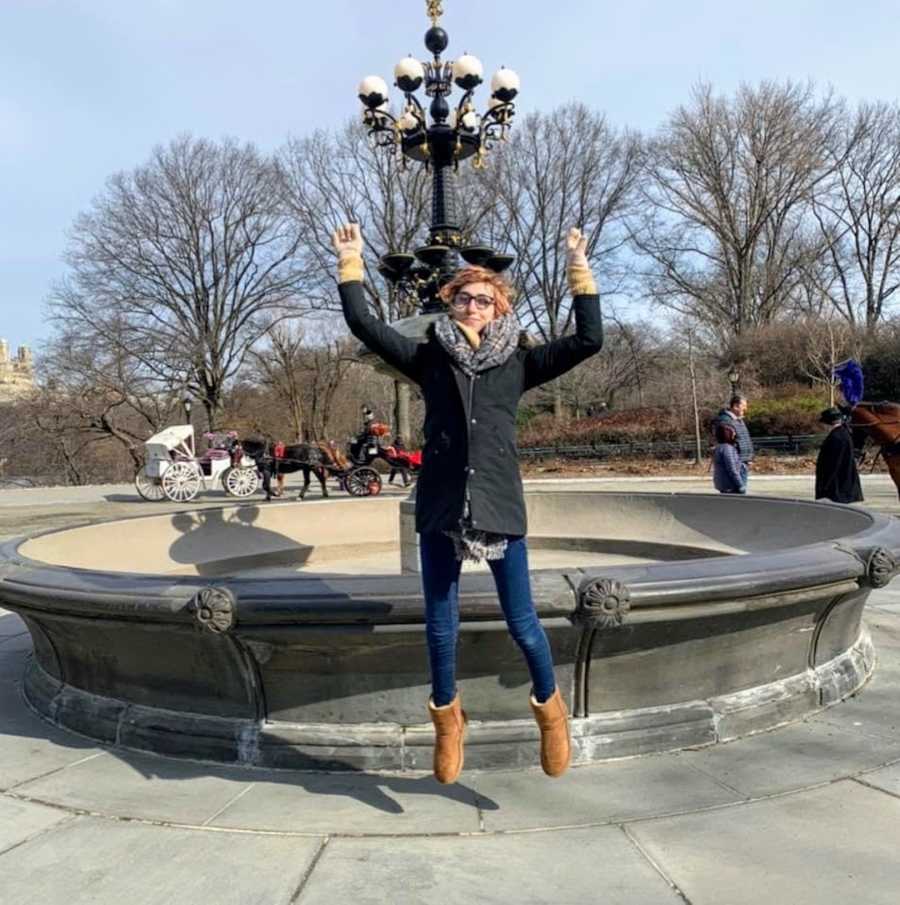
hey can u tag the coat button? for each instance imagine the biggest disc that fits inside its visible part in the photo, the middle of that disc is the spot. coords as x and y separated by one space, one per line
471 471
474 421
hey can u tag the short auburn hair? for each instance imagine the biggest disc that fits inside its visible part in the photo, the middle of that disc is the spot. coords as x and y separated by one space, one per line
502 290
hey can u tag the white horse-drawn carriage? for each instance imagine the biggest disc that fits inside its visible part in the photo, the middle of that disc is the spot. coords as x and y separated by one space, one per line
172 469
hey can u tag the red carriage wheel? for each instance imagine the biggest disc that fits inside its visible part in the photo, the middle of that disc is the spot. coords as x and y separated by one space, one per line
363 481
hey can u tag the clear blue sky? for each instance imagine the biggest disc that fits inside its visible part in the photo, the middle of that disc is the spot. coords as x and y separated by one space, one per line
87 87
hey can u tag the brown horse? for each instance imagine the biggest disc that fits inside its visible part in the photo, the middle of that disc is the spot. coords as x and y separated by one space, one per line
880 422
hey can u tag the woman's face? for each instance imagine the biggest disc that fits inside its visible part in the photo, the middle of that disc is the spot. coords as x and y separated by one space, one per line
473 306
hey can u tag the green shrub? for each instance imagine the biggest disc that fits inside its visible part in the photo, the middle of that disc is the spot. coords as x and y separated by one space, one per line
776 417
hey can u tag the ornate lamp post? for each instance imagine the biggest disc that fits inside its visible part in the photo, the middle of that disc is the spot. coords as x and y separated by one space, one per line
188 404
734 378
439 138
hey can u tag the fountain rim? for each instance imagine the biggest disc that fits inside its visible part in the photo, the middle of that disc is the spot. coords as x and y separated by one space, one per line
261 603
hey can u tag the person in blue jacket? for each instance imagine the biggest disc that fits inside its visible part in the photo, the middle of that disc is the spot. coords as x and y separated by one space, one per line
729 474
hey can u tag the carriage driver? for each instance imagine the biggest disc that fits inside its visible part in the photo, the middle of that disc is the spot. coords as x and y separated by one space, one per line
472 370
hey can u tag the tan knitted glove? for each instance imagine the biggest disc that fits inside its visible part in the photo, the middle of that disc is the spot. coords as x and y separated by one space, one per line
348 245
581 280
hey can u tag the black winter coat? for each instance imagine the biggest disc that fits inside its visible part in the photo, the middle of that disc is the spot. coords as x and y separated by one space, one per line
470 423
837 477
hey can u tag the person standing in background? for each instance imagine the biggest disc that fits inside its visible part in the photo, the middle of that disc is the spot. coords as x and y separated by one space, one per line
837 477
728 474
734 416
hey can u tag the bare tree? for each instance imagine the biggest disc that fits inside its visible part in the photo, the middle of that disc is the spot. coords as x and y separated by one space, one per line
336 178
327 366
859 214
726 190
828 342
565 168
621 368
279 370
190 256
93 390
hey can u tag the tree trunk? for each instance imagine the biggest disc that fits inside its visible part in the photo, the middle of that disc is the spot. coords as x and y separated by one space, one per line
401 411
557 400
698 450
297 419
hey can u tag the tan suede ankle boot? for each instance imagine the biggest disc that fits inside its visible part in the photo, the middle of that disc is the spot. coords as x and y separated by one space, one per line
449 730
552 719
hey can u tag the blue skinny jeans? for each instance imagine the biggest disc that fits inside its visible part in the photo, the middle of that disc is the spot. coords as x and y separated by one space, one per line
440 583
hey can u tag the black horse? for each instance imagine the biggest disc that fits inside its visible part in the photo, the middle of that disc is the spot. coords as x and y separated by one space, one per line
275 459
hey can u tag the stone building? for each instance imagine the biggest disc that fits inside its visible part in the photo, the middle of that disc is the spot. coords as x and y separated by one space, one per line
16 374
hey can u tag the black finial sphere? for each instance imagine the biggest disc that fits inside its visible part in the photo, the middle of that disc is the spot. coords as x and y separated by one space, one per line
436 40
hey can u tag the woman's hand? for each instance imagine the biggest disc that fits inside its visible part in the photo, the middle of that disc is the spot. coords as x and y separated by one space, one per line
576 248
347 240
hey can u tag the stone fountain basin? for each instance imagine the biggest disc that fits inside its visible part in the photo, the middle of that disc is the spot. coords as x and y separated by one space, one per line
246 634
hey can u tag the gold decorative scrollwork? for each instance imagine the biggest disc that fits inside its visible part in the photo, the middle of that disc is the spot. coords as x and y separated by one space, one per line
435 10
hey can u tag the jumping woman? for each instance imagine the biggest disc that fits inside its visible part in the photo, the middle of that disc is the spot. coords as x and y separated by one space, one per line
469 502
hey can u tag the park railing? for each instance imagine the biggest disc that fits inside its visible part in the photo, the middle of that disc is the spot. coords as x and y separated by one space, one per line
683 447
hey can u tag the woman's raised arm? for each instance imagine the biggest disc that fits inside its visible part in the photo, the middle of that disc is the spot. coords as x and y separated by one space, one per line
553 359
398 351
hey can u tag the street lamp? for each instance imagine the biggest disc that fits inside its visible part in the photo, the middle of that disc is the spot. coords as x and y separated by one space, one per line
734 377
188 404
439 138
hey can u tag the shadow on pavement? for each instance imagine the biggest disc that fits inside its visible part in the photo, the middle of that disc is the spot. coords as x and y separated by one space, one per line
18 720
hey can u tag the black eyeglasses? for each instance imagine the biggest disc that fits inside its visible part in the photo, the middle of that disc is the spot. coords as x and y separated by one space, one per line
461 301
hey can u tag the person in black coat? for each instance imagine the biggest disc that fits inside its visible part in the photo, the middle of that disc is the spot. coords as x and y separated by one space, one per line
837 477
472 370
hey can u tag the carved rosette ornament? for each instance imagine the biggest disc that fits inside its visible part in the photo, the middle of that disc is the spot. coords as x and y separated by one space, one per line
604 602
881 567
214 609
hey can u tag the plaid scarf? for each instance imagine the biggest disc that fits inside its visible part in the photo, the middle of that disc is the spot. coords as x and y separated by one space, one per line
498 341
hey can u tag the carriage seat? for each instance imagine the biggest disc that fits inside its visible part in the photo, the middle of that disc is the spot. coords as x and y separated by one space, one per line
212 454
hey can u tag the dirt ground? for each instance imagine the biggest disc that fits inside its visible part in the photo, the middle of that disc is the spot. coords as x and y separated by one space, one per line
618 468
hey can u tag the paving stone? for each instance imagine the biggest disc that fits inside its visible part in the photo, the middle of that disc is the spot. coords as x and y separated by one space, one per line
12 664
827 846
30 747
354 804
11 624
794 757
884 625
564 868
125 784
14 642
887 778
875 710
618 791
20 820
886 598
104 863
